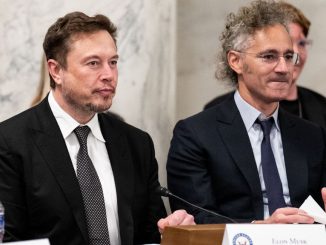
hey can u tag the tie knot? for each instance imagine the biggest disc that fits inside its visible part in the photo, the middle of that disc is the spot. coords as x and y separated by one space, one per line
266 125
82 133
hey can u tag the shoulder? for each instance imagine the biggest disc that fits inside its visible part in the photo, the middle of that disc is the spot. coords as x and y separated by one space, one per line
18 122
17 132
306 93
224 112
202 117
114 123
202 125
304 128
218 100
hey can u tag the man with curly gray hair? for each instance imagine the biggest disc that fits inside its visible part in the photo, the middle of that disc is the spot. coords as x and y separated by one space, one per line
239 30
246 158
300 101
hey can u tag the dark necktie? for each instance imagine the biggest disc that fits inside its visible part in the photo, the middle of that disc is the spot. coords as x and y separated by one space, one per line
92 193
271 176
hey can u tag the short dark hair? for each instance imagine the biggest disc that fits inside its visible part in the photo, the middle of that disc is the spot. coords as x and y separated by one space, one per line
58 38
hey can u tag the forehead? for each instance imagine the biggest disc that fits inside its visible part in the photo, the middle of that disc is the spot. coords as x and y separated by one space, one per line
101 40
271 38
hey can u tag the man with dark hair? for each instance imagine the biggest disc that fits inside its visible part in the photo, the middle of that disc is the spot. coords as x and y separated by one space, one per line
300 101
70 172
246 158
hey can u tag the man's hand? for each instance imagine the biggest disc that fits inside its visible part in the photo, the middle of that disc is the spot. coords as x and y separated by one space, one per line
179 217
288 216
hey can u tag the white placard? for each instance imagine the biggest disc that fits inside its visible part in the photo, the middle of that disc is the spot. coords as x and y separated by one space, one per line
274 234
31 242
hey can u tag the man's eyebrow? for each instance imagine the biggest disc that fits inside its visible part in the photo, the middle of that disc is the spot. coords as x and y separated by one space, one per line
274 51
289 51
90 57
98 57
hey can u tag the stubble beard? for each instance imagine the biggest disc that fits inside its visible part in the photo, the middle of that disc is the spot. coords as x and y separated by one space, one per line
88 108
97 108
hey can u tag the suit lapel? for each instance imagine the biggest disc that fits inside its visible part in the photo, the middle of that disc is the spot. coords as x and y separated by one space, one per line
122 167
52 146
234 134
295 159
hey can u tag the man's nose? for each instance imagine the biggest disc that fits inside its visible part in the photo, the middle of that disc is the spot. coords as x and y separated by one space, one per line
282 65
107 72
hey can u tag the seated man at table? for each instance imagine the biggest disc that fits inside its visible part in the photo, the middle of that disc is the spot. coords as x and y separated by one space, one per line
70 172
246 158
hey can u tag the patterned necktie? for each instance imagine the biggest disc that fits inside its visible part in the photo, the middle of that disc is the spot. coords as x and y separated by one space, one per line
92 193
271 176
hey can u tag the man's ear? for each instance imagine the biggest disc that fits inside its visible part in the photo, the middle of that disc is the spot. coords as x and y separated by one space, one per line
235 61
55 70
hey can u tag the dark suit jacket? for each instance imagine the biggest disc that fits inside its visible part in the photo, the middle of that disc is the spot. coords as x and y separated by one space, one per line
40 190
313 105
211 163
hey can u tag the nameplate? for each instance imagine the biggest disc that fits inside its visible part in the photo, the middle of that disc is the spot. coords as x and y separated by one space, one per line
274 234
31 242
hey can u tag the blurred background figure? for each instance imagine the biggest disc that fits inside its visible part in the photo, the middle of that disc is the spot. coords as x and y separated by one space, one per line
300 101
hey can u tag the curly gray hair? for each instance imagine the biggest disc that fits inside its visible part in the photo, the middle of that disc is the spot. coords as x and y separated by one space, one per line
240 28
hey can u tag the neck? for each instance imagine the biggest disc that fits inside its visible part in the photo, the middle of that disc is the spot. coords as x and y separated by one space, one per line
267 110
265 107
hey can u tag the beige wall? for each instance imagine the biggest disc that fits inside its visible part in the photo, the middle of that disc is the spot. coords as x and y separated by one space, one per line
199 24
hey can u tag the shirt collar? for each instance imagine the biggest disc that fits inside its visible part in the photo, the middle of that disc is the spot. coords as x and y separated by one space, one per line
249 113
67 124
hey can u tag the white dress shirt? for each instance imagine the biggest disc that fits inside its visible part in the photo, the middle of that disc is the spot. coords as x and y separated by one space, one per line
98 153
249 115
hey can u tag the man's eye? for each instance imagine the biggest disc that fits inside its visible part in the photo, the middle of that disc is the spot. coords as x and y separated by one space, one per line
113 63
302 43
269 57
288 57
93 63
